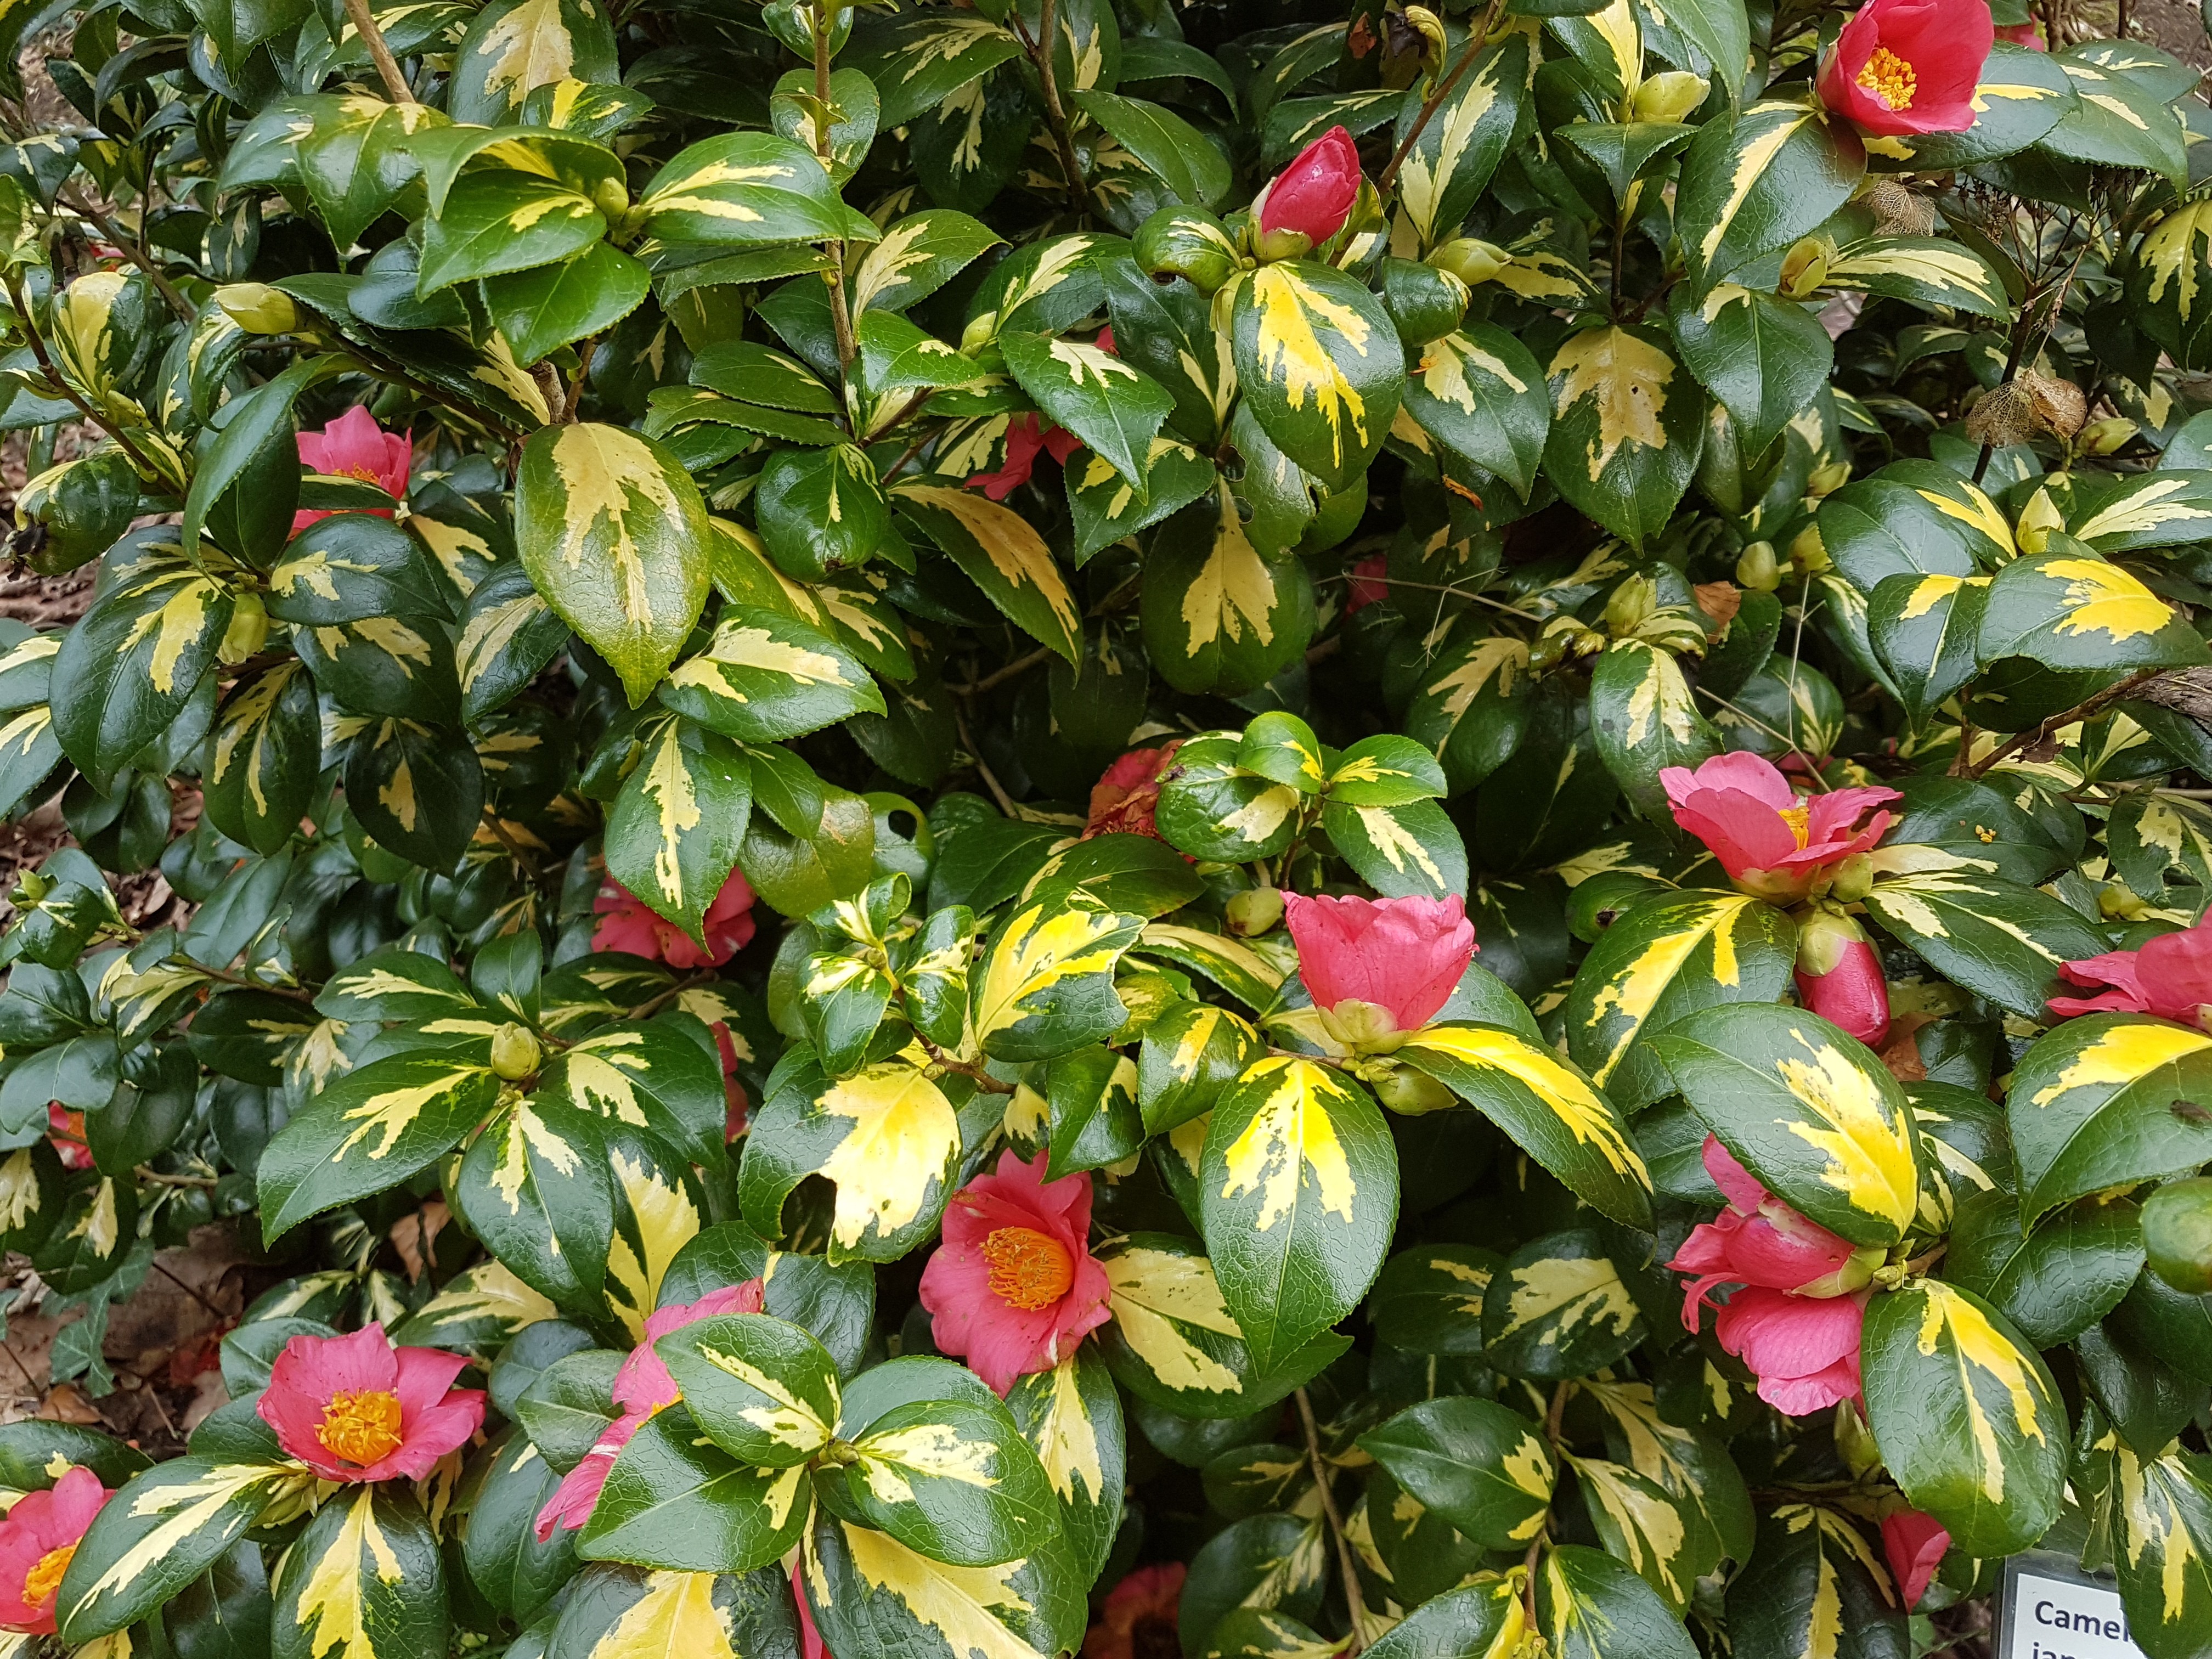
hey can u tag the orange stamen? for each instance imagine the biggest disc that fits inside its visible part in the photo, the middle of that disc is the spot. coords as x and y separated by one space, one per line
360 1427
1029 1270
1889 78
45 1577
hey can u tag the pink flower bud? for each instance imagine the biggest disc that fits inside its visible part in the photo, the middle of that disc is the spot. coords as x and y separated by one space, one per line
1314 195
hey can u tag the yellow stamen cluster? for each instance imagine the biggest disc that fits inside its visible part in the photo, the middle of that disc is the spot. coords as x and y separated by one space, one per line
362 1426
45 1577
1029 1270
1800 820
1889 78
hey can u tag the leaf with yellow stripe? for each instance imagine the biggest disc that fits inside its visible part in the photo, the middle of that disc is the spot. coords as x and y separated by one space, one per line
1627 424
659 1207
2066 607
1319 364
1247 974
509 637
761 1389
674 831
763 678
954 1480
1045 986
1968 1420
1299 1193
2091 1106
617 1612
1924 630
615 535
1559 1308
479 1311
133 661
1174 1342
1998 938
2162 1554
748 189
1218 614
1808 1108
1815 1588
164 1529
888 1138
370 1131
535 1188
1463 141
675 1500
1589 1606
2113 514
1927 271
1549 1107
264 757
1480 1465
1753 183
1001 554
1666 958
364 1581
1485 1619
1071 1415
2022 94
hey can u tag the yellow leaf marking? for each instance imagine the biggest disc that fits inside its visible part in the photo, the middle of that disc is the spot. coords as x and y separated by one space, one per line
1291 1131
333 1600
1154 1292
1868 1147
1289 348
1626 378
903 1135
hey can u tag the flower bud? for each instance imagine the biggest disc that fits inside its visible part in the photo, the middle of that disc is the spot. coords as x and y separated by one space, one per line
1808 554
1840 977
979 333
1828 480
514 1051
1365 1026
1254 911
259 308
2038 520
249 627
1630 604
2108 435
1471 260
1669 96
1854 878
1313 196
2177 1230
1411 1094
1804 267
1758 569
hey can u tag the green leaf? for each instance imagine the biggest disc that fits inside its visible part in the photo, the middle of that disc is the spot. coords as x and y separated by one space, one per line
178 1519
1482 1466
1764 357
2069 609
1808 1109
1319 364
497 222
761 1389
1002 555
1997 938
368 1567
1464 137
1968 1420
1481 394
1913 518
1626 427
1753 184
1184 159
675 1501
1114 409
1071 1415
2056 1280
537 311
2092 1106
615 535
1589 1606
821 510
1299 1189
748 190
1559 1308
369 1131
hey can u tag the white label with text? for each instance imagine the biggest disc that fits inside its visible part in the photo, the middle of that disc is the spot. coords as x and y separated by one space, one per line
2051 1618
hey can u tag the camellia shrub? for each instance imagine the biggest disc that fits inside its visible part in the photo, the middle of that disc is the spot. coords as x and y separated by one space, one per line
991 828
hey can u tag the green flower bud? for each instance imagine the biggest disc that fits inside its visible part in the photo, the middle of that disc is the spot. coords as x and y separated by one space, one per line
1758 569
1411 1094
249 627
2108 435
1669 96
2177 1228
1182 241
1471 260
1255 911
259 308
514 1051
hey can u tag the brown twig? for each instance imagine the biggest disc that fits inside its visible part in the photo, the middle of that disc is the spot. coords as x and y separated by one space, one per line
983 767
387 66
2065 717
1353 1599
1041 53
983 1080
992 681
841 315
132 249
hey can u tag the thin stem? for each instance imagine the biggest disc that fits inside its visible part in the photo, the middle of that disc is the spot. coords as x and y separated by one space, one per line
2065 717
991 682
46 367
983 767
1041 53
224 977
1443 90
387 66
659 999
984 1080
841 315
1353 1599
133 249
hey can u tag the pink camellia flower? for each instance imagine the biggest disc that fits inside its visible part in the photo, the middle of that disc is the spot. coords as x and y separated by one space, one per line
38 1538
1903 66
738 1108
2023 34
1915 1544
1760 1241
1314 195
810 1644
1123 800
66 1136
1013 1288
354 446
355 1408
1840 977
1367 584
1774 843
1402 955
627 923
1026 437
2169 976
1804 1350
642 1387
1138 1619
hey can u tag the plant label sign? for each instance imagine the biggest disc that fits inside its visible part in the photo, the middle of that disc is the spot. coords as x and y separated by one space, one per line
2053 1610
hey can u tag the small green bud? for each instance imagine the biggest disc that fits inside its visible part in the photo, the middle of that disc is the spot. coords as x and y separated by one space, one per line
2177 1230
980 332
514 1051
1255 911
1471 260
249 627
259 308
2108 435
1758 569
1669 96
1411 1094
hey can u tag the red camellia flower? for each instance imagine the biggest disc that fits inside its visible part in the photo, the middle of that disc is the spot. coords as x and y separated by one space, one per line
737 1108
355 1408
1402 956
1123 800
1367 584
2169 976
1796 1318
2023 34
1013 1288
1909 65
1314 195
627 923
1026 437
1915 1544
1138 1619
354 446
36 1540
1774 843
67 1137
1840 977
810 1644
642 1387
